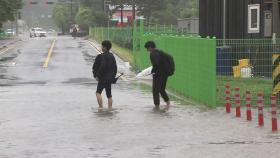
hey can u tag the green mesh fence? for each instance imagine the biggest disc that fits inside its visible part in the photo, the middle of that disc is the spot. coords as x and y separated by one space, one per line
194 57
247 64
165 29
119 35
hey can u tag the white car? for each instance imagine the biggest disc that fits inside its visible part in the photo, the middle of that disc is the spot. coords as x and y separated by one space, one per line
11 32
38 32
52 32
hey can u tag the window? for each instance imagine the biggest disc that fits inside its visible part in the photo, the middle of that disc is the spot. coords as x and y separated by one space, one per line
254 18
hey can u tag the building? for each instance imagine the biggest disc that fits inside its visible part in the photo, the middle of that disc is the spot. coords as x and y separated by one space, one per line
243 18
188 25
126 14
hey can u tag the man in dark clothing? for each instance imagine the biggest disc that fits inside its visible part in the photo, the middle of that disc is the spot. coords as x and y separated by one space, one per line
104 70
74 31
160 75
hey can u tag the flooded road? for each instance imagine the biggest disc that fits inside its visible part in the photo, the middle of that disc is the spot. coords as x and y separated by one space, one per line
52 113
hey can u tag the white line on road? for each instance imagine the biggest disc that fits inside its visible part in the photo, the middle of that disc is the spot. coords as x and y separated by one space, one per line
5 50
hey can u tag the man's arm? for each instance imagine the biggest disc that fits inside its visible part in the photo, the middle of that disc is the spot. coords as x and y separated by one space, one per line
95 65
115 66
102 66
155 57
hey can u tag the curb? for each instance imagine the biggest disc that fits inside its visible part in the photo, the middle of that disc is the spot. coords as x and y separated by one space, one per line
9 43
112 50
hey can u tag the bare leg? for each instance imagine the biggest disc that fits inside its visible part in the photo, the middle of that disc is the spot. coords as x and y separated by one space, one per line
110 103
99 100
156 107
167 104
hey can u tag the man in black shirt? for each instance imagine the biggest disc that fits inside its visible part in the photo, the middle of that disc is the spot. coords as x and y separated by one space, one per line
104 70
160 75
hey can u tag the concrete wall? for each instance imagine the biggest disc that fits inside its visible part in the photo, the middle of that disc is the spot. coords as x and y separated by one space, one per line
190 25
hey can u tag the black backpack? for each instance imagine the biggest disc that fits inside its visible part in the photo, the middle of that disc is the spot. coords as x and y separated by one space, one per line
168 63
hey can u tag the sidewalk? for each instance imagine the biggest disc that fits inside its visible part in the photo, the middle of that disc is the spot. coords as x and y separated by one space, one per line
6 42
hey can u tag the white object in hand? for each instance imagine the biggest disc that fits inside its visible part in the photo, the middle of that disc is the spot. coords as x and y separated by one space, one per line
145 72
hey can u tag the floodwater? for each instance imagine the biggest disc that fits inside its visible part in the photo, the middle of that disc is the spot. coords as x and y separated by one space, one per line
52 113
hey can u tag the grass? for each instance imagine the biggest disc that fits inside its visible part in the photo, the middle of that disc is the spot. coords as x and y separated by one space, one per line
254 85
124 53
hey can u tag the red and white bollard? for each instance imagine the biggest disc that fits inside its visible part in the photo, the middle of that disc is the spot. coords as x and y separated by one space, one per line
273 113
248 106
227 94
237 101
260 109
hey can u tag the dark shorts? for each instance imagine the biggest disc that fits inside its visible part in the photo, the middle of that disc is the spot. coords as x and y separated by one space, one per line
107 86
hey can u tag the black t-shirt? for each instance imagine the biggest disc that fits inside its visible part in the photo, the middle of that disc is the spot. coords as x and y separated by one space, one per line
157 62
105 67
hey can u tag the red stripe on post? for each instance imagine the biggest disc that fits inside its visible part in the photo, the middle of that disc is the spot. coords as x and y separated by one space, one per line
248 105
260 109
273 114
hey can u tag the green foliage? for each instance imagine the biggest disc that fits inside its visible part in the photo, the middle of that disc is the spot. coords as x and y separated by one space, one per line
191 10
61 16
147 7
84 16
95 5
121 36
166 16
155 11
8 8
100 18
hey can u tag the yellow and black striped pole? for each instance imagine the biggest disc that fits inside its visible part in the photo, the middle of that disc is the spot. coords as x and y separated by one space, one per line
276 73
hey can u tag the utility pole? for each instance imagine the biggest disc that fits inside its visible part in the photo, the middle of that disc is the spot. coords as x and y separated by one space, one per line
71 11
224 19
276 19
133 10
106 8
16 20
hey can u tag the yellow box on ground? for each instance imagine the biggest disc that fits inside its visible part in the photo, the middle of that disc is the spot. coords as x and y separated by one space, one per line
236 71
244 63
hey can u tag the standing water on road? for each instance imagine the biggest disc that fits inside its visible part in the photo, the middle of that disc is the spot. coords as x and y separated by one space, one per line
52 113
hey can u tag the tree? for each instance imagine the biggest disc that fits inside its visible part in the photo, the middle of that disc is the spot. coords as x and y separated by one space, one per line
62 17
147 7
166 16
84 17
190 10
9 9
100 18
160 11
95 5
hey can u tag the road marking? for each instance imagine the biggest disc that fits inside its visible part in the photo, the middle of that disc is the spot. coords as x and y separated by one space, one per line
99 52
5 50
95 47
46 64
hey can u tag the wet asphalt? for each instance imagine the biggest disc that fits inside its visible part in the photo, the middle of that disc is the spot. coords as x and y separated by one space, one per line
52 113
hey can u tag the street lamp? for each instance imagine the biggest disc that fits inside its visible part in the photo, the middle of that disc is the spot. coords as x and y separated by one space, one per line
276 25
107 5
224 19
16 15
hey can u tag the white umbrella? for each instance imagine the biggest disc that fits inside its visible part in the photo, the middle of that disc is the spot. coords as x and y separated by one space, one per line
144 73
